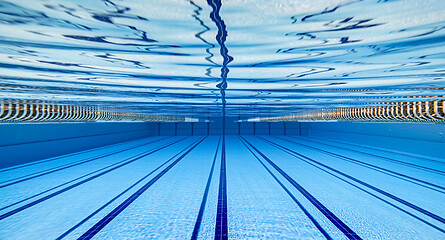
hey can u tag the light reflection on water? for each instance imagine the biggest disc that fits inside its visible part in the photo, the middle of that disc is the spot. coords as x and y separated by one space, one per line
252 58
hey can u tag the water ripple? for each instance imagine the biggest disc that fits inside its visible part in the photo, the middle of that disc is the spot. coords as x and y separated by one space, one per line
172 58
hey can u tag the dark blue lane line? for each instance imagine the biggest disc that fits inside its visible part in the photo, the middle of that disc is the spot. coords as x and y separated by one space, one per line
317 225
383 150
63 184
348 232
66 166
120 194
204 197
116 211
385 171
124 162
221 228
379 198
404 202
432 170
68 155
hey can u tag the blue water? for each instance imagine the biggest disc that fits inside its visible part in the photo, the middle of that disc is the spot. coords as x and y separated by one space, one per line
229 63
204 59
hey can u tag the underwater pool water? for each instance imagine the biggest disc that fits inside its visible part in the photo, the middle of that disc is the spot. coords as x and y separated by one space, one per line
197 58
222 119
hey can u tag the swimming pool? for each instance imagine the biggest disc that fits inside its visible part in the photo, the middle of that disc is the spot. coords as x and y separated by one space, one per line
193 119
195 58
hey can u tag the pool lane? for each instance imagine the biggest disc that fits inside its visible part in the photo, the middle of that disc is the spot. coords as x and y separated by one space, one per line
345 229
391 186
209 216
202 208
258 207
126 203
169 208
347 201
258 155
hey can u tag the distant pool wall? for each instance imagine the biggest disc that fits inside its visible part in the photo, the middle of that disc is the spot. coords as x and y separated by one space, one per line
23 143
427 139
232 128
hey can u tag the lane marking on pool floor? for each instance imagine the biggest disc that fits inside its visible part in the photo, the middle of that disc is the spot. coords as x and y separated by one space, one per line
348 232
116 211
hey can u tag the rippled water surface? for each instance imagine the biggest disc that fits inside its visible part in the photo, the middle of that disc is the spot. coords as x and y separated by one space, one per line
244 59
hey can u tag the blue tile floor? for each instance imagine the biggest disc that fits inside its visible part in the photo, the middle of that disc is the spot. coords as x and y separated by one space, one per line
232 187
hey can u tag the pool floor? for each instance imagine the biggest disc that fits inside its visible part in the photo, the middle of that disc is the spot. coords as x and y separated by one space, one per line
225 187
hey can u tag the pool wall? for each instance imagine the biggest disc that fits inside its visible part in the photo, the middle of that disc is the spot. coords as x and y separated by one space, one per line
23 143
425 139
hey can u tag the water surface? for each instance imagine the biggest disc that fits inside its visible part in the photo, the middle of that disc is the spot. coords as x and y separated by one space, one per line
235 58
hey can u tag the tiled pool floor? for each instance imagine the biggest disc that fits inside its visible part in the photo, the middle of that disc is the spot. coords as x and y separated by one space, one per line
236 187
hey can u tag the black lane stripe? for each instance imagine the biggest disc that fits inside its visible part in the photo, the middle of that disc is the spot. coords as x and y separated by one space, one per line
386 171
221 228
204 198
120 194
317 225
116 211
348 232
69 165
63 184
125 162
416 166
404 202
68 155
